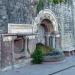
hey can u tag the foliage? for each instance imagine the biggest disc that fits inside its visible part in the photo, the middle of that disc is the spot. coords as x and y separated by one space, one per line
45 49
37 55
40 5
56 1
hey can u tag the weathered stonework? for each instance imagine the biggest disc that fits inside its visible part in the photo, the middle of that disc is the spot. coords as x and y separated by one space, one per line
3 18
24 11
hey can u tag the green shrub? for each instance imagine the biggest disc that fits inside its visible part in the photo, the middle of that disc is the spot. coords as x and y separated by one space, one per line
45 49
56 1
37 55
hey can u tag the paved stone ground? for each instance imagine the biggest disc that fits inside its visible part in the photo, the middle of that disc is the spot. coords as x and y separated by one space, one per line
70 71
66 67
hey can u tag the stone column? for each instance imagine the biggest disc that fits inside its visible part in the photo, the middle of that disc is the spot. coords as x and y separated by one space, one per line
54 42
2 53
45 40
48 40
7 51
26 47
12 50
51 41
58 42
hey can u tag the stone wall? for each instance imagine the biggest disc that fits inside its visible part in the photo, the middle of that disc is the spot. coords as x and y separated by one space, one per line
24 11
64 13
3 18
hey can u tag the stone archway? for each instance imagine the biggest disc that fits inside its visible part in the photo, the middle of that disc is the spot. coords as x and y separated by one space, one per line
47 26
49 15
48 29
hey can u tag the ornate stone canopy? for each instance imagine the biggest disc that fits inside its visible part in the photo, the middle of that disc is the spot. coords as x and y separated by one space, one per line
47 14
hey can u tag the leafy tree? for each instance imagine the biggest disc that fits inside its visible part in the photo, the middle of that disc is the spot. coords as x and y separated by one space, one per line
40 5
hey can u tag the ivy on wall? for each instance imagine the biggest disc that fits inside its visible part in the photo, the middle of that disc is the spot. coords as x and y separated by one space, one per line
56 1
41 3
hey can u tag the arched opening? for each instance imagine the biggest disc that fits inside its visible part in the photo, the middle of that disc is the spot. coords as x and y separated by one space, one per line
46 29
48 26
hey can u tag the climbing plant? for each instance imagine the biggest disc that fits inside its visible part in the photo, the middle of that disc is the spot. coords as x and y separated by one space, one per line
56 1
40 5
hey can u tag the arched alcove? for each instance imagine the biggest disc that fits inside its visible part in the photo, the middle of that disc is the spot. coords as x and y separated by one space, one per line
47 24
48 16
47 27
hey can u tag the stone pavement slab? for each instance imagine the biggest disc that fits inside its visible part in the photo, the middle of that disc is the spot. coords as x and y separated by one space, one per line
42 69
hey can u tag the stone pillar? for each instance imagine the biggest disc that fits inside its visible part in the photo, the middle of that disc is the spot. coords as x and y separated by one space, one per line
51 41
26 47
58 41
48 40
45 40
54 42
2 53
7 51
12 54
